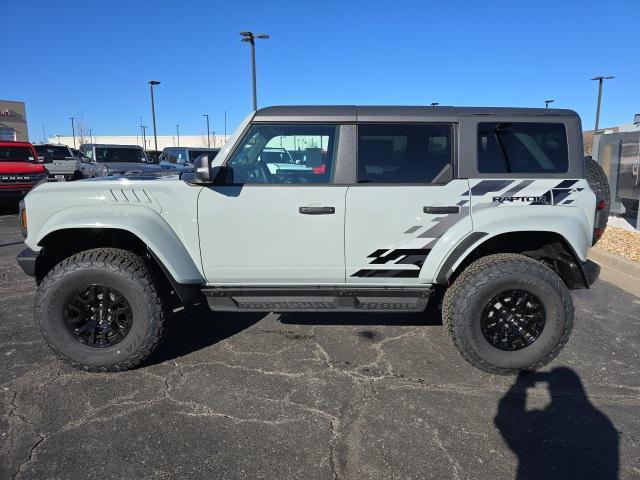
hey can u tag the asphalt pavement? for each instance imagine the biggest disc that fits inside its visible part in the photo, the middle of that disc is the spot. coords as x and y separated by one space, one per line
318 396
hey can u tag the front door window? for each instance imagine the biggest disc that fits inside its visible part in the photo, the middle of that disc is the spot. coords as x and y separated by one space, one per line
284 154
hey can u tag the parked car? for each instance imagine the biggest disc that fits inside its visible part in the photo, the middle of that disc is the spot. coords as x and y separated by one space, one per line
120 159
488 212
62 164
19 169
182 158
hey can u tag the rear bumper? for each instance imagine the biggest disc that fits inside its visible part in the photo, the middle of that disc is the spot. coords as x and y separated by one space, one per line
27 261
591 272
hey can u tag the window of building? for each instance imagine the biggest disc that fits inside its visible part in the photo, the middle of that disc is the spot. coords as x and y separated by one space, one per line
521 147
285 153
404 153
7 134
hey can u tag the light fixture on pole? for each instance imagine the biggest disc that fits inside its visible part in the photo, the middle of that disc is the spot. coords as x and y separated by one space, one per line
547 102
600 80
153 83
249 37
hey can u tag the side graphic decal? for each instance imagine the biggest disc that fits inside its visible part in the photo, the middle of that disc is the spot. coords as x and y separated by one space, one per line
496 193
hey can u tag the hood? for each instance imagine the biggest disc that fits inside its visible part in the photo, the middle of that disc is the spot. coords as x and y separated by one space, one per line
132 167
21 167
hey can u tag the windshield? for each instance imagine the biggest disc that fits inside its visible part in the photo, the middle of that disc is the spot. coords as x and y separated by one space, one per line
16 154
52 151
120 155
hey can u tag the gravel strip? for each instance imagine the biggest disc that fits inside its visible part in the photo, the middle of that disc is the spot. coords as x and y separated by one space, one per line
621 242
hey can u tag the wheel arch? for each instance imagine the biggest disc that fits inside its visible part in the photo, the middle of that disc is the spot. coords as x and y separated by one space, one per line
550 247
139 230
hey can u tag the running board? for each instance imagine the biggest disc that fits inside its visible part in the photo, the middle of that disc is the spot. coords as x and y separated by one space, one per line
317 299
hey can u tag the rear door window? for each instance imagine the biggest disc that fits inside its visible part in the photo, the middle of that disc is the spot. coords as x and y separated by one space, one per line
404 153
522 147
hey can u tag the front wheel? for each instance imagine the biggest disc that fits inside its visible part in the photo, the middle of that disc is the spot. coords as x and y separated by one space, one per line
508 312
100 310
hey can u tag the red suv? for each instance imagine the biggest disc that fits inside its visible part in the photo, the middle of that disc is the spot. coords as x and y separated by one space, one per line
19 169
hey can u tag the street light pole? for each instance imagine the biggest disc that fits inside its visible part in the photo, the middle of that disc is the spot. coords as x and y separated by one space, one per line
208 136
178 132
600 80
73 129
153 113
249 37
144 136
547 102
91 135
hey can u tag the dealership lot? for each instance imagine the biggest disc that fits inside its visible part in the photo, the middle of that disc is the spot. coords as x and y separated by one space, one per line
318 396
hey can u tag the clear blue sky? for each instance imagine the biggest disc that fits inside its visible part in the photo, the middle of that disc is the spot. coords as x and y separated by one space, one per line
94 58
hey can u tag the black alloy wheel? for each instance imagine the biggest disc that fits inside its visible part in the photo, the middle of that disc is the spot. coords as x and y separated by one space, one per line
513 320
98 316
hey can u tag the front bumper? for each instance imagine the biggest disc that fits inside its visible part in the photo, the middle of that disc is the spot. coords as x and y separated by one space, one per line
27 261
14 191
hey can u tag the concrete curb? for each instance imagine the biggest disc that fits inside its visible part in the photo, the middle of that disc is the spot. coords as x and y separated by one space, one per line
615 262
617 270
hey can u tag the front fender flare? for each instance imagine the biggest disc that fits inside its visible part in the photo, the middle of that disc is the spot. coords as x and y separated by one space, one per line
144 223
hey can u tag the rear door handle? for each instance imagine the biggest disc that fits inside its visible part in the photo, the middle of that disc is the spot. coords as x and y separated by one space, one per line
441 210
317 210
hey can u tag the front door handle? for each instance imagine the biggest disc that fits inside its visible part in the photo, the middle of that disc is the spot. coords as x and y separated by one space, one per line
441 210
317 210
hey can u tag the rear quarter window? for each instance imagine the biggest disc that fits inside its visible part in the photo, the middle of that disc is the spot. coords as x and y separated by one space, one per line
522 147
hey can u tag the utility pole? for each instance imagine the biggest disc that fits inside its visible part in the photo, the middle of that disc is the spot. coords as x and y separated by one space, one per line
152 83
600 80
249 37
208 136
73 129
178 132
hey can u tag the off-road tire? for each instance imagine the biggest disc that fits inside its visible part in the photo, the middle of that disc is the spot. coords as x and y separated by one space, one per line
119 269
599 183
465 300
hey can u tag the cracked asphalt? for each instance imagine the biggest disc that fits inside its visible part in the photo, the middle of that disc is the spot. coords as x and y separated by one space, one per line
318 396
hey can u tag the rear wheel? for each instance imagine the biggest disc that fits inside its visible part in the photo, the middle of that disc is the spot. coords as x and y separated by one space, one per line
508 312
100 310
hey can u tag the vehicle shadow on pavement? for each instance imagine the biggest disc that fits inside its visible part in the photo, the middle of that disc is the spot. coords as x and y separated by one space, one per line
195 328
430 317
569 438
8 207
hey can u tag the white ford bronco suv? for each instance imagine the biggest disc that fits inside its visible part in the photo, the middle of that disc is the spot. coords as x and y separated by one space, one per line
486 212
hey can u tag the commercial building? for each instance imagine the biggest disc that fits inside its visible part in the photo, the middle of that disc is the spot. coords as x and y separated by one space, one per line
13 121
163 140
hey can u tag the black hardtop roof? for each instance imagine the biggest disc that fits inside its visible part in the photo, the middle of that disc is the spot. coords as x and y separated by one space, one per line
398 113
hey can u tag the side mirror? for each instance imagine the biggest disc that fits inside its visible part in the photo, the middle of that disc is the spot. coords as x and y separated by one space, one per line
202 170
